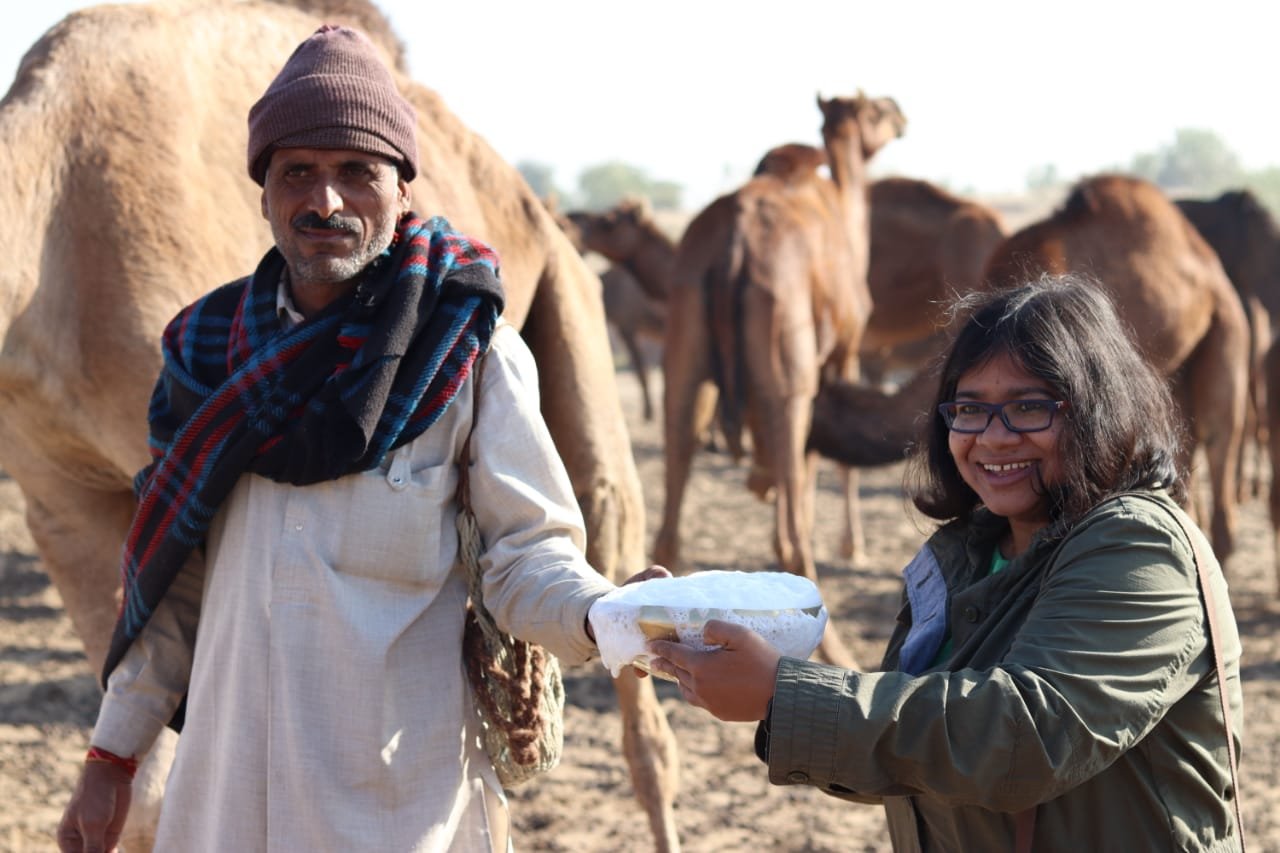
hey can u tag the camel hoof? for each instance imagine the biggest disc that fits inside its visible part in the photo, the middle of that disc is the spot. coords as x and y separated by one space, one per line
760 482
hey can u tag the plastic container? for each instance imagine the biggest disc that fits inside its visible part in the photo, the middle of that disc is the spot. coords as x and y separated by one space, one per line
785 609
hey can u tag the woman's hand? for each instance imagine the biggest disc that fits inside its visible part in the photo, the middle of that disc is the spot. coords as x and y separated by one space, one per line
733 682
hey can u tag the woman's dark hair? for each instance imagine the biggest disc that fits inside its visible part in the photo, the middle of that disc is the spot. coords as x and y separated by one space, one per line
1120 428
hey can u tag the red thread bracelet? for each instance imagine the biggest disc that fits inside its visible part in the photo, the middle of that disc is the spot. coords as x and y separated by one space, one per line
129 765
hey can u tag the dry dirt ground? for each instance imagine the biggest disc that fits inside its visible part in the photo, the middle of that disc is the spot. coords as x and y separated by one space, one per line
48 696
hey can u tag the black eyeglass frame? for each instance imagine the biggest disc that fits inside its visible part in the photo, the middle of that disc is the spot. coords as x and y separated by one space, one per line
993 409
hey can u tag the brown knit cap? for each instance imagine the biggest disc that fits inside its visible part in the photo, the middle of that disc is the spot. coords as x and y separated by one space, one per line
334 92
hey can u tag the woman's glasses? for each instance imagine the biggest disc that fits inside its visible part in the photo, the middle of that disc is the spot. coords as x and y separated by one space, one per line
1017 415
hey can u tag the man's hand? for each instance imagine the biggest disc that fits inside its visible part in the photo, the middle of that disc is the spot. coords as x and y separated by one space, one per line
733 682
94 817
652 573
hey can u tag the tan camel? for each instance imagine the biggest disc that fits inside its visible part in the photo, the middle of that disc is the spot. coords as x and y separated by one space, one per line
1172 291
926 244
768 289
122 166
1247 241
636 316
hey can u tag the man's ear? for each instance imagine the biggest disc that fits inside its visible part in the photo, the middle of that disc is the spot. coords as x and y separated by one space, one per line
406 194
264 204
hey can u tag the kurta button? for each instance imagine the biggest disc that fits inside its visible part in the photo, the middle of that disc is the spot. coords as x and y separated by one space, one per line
971 614
798 777
298 526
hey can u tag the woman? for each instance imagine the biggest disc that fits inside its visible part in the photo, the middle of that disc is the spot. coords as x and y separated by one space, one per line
1051 680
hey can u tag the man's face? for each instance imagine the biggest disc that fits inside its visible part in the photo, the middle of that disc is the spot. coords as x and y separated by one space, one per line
331 213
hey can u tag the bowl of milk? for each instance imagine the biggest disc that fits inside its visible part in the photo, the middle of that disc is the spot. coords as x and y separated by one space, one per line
785 609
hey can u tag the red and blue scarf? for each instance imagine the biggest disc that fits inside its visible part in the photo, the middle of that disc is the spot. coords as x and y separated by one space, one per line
329 397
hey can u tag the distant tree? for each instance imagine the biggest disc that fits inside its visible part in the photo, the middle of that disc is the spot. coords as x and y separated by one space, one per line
666 195
604 185
1043 177
1197 160
539 177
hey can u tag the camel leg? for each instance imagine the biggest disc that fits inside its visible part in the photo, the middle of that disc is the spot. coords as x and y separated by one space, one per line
584 415
1257 433
686 366
1217 388
79 535
650 749
795 475
638 365
853 545
1271 371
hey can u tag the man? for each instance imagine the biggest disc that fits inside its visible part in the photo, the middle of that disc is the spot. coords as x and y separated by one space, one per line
291 594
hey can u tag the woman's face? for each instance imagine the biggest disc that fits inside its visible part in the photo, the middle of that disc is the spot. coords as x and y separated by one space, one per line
1008 469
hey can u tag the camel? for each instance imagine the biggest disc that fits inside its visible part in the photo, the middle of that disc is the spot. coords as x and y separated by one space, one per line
1247 241
768 290
122 162
628 235
629 308
926 244
637 318
865 425
1172 291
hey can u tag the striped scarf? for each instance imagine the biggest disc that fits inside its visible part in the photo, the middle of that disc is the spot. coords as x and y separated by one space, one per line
329 397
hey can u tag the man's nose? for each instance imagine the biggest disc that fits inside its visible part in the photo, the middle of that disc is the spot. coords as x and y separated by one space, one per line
325 199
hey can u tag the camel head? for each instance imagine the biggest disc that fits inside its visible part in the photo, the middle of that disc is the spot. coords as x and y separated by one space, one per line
877 121
617 233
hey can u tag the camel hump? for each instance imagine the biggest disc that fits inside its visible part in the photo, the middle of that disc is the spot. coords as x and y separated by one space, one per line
791 162
914 193
361 14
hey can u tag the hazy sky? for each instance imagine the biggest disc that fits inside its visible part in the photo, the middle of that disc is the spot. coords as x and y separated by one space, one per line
695 91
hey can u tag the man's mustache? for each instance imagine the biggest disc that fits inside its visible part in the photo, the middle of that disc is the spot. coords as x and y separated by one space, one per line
333 222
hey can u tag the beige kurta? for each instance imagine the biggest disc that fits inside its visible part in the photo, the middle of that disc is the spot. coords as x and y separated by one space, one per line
327 707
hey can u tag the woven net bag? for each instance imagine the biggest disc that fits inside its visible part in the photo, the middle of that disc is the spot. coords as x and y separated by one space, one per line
517 685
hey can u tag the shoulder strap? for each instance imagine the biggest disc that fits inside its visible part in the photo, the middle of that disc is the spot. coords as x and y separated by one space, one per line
1025 821
464 455
1211 613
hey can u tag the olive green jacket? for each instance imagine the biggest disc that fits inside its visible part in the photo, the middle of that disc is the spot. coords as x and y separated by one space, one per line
1080 683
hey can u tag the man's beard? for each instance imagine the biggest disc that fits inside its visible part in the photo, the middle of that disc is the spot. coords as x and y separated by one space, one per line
336 269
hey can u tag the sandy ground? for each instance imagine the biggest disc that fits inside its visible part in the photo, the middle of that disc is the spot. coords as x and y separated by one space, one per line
48 697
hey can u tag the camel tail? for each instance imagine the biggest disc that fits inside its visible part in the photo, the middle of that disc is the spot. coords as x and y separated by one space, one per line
725 287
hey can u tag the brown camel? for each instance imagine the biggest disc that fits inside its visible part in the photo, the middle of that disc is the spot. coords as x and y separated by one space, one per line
638 320
768 290
1247 241
1172 291
628 235
926 245
635 315
864 425
122 159
1168 285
